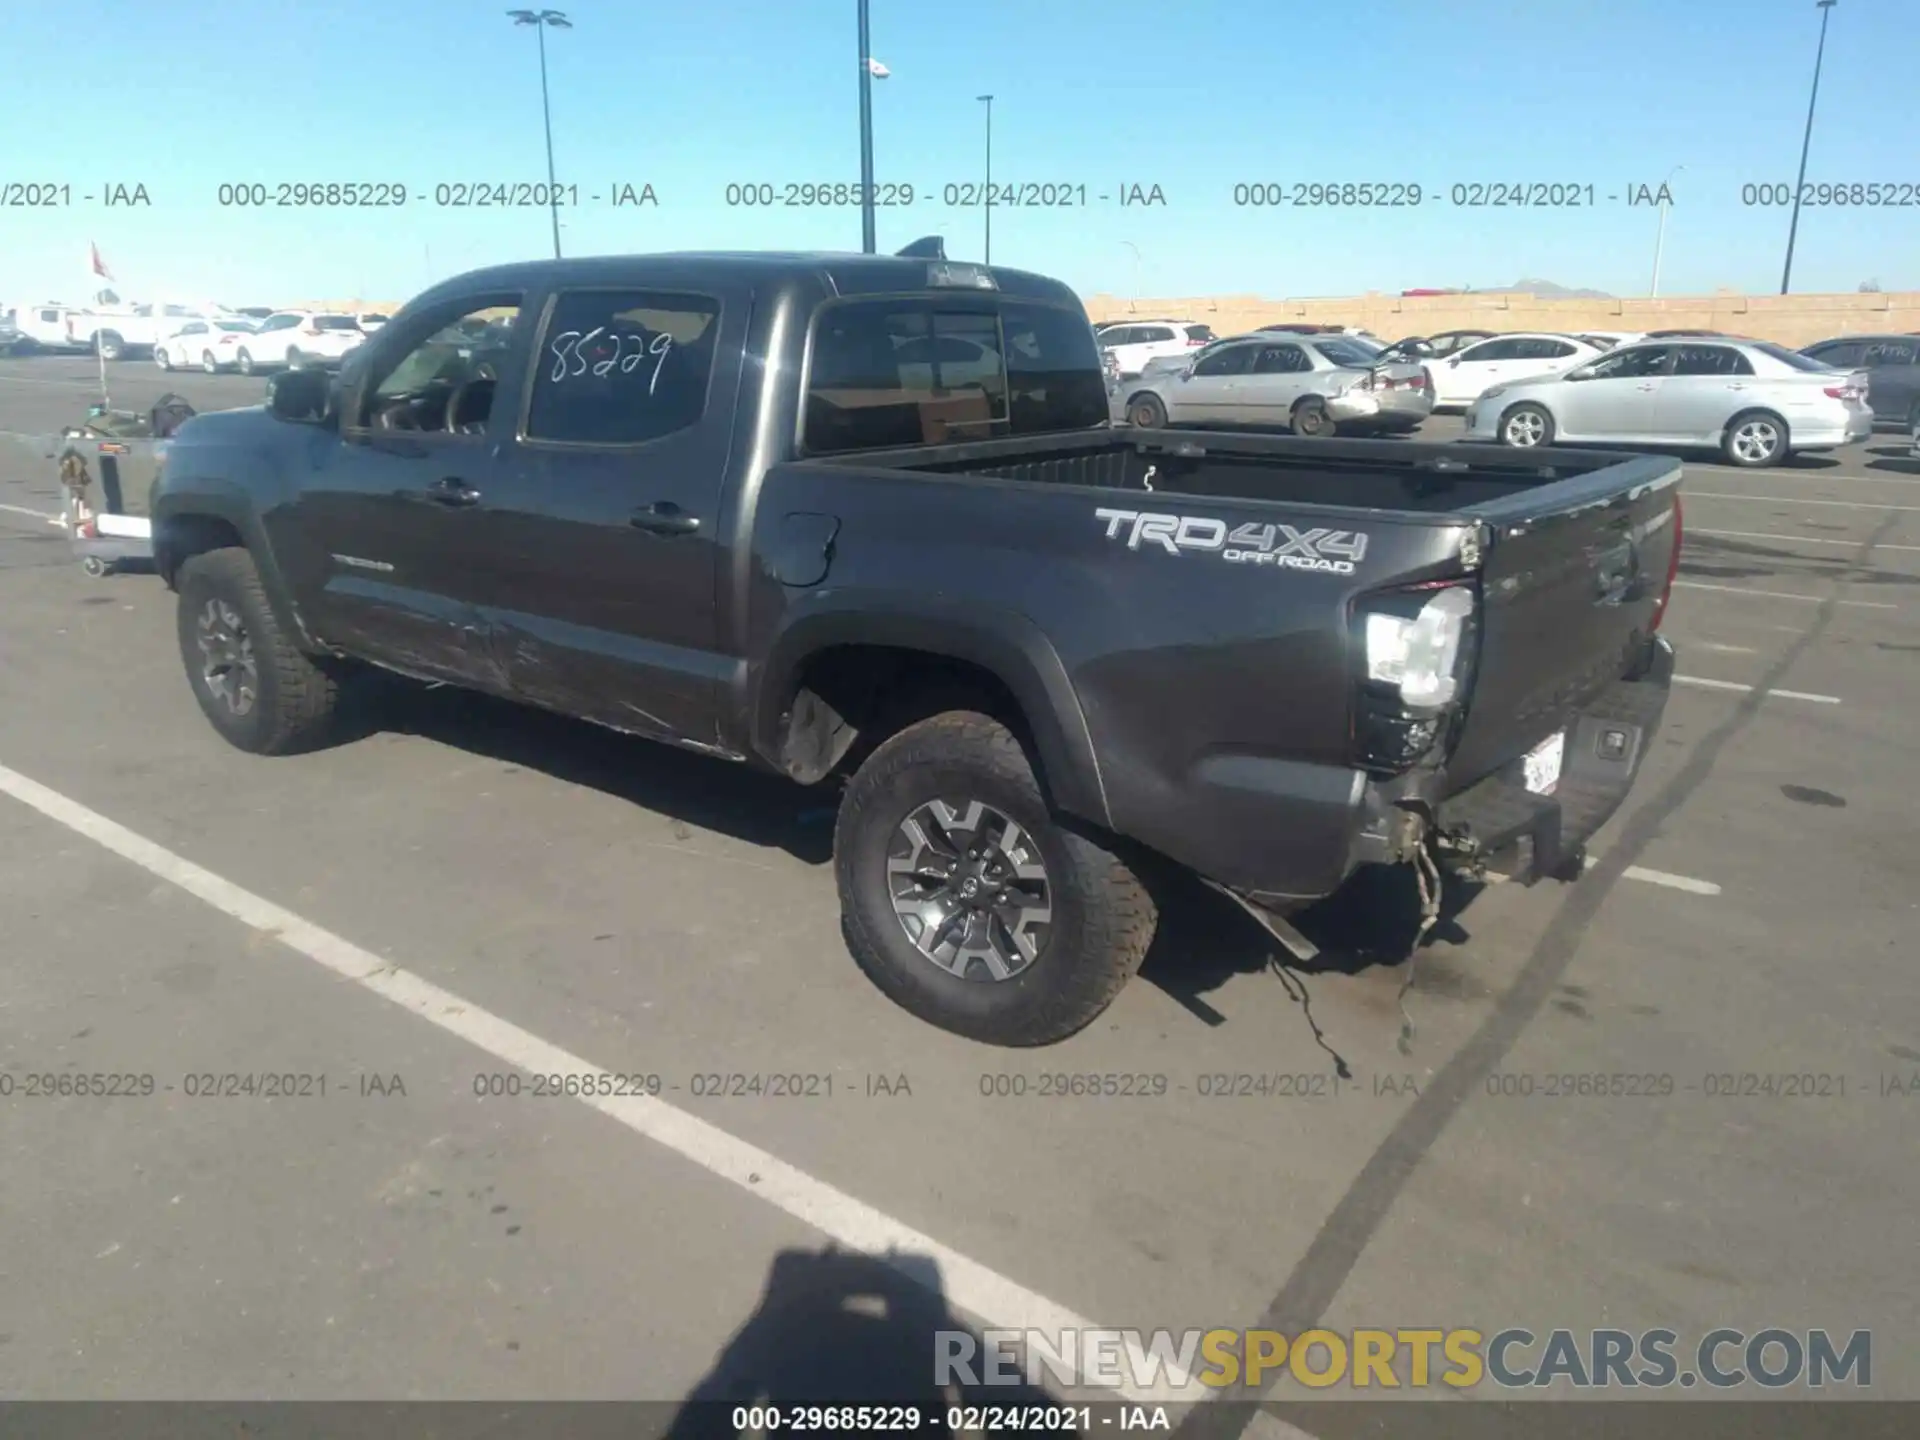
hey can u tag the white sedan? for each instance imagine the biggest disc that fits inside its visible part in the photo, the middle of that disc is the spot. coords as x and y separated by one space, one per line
297 338
1459 379
214 345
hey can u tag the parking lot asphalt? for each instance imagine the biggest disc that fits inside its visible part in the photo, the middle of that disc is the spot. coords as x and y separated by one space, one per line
467 888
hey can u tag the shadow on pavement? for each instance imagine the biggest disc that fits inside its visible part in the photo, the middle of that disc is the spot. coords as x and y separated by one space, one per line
841 1328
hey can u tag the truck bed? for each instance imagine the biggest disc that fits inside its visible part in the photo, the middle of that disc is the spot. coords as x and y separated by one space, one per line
1399 476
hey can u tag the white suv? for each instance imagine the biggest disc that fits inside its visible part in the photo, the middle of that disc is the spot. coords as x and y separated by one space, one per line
296 338
1132 343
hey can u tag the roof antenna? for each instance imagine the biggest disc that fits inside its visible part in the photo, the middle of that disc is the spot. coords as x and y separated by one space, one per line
927 247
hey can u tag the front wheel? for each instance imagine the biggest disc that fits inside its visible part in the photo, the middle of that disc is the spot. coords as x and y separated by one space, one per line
294 358
109 346
1526 426
209 363
1311 420
259 690
1148 412
162 359
1755 440
968 903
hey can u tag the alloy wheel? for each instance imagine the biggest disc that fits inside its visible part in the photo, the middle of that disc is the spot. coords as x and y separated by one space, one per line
228 667
1756 440
1525 428
970 889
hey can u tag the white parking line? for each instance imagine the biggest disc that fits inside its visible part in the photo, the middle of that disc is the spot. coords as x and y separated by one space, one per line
36 514
972 1286
1730 685
1781 595
1671 881
1693 495
1719 649
1797 539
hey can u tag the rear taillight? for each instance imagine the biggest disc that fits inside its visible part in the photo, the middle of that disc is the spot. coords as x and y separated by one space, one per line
1673 566
1193 344
1425 382
1416 648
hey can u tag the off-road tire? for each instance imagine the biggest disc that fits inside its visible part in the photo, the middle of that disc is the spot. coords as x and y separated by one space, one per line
1103 917
297 696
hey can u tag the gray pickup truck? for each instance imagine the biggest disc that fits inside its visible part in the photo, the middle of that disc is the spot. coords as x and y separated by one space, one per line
864 522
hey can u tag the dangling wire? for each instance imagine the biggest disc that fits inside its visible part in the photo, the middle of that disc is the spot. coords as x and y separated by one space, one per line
1428 874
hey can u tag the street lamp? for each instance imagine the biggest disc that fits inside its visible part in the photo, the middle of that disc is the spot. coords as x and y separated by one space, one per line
987 100
540 20
1136 272
1806 141
1660 236
870 71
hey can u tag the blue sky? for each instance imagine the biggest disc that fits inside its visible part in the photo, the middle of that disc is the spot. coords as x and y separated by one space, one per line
1191 95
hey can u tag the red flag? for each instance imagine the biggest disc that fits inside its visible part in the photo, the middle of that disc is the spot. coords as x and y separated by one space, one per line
99 265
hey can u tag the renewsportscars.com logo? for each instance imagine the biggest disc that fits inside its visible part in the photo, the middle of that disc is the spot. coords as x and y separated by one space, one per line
1189 1363
1328 552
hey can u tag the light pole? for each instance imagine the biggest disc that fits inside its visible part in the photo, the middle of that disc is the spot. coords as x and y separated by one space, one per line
1136 272
1806 142
987 100
866 135
540 20
1660 235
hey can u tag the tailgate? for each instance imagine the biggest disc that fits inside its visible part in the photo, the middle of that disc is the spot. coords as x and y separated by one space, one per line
1574 579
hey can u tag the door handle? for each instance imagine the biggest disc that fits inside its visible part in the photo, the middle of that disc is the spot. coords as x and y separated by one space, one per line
453 491
663 517
1643 387
1737 385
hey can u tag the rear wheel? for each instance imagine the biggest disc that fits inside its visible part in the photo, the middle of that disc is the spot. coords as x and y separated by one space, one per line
259 690
1311 420
109 345
964 899
1525 426
1147 411
1755 440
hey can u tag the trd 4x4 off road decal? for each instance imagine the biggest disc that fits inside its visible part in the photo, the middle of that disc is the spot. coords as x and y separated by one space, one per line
1328 552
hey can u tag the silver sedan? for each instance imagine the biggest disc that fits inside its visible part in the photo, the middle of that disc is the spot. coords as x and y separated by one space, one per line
1754 401
1312 385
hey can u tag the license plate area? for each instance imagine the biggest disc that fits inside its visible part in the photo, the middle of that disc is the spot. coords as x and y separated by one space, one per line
1541 765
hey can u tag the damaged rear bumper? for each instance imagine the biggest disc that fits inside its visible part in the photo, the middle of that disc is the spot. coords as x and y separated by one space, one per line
1500 827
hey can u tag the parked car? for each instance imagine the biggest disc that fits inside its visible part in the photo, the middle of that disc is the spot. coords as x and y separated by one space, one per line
213 345
1034 649
1134 342
293 338
1607 339
1464 374
1892 363
10 336
1437 346
1754 401
122 333
1311 384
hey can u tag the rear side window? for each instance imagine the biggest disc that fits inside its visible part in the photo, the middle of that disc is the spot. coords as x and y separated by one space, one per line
921 372
1154 333
1846 353
1890 352
335 322
622 367
1710 360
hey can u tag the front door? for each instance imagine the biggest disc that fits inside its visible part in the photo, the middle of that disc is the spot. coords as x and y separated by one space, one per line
1614 397
599 543
391 509
1206 397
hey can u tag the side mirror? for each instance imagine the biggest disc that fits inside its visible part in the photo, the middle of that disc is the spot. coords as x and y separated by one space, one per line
1454 363
1186 372
301 397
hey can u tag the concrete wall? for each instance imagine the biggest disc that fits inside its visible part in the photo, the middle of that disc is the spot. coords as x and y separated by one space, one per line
1791 319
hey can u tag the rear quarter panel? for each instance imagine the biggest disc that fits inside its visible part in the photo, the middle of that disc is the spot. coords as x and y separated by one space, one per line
1185 668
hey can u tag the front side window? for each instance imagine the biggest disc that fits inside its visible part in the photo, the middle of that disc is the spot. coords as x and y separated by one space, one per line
622 367
1638 362
1227 360
1710 360
441 384
1490 350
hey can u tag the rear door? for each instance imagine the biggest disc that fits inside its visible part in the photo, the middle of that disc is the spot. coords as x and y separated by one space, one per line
598 544
1571 585
1278 377
1706 385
